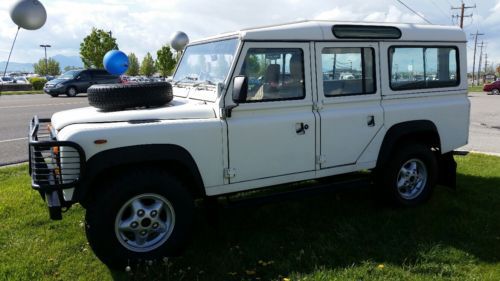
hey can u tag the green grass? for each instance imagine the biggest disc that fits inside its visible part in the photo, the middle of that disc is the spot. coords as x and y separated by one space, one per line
343 236
21 92
476 88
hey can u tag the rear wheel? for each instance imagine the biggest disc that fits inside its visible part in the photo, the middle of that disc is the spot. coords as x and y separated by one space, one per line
495 92
410 175
143 215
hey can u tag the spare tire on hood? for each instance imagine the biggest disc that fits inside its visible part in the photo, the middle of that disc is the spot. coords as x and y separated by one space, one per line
113 97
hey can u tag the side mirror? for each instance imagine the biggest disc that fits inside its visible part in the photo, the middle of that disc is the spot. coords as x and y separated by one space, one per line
78 77
240 89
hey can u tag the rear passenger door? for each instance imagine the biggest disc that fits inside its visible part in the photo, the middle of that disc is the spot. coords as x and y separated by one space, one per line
348 100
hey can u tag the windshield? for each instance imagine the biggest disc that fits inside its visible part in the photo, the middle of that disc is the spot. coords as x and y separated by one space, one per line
206 63
69 75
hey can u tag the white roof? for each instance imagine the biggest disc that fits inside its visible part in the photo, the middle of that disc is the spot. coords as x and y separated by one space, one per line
322 30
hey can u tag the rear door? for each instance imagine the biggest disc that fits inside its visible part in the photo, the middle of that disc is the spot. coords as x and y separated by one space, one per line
349 100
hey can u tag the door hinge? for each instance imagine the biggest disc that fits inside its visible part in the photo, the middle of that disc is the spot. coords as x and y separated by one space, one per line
318 105
320 159
229 173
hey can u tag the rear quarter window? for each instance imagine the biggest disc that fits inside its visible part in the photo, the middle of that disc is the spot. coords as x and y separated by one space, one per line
423 67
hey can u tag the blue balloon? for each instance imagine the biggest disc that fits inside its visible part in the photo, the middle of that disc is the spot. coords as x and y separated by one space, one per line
115 62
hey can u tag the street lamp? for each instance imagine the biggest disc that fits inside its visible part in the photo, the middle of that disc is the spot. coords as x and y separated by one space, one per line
46 63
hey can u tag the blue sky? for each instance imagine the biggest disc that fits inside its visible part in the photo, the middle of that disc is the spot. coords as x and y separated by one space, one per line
142 26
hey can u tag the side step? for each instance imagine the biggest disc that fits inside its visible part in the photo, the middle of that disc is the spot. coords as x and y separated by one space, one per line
327 185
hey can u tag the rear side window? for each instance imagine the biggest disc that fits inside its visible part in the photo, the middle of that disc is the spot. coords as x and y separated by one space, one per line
348 71
423 67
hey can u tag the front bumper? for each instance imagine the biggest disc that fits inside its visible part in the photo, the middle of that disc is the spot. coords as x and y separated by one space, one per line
60 90
53 165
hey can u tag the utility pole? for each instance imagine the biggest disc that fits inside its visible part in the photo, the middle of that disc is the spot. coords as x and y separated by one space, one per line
485 62
46 62
462 16
479 65
474 59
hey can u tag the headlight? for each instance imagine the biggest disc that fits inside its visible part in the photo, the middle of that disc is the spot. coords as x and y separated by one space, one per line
58 85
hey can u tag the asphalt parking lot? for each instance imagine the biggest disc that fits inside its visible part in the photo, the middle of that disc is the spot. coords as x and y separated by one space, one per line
17 110
484 130
15 113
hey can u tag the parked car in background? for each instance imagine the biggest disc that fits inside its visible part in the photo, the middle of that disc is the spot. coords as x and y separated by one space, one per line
7 80
21 80
78 81
493 88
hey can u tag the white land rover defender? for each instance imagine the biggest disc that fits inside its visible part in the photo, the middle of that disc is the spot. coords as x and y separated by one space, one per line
258 108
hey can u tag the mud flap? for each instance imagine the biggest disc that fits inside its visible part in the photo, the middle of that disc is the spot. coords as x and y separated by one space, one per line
447 170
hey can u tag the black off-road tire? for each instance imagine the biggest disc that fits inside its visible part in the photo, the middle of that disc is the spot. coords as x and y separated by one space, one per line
113 97
112 195
388 175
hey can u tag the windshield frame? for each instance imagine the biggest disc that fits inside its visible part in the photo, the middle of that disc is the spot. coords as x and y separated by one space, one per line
203 42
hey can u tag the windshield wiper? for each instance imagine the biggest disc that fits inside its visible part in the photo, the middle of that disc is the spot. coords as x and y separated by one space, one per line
187 77
205 82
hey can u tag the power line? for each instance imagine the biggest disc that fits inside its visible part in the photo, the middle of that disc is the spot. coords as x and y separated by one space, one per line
439 8
422 17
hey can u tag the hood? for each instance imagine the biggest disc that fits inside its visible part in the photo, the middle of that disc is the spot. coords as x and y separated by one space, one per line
56 81
176 109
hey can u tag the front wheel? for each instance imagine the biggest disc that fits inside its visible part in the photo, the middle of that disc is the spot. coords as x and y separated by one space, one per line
142 215
71 92
410 175
495 92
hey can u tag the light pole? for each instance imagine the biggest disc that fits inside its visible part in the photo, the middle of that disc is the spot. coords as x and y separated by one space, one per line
46 63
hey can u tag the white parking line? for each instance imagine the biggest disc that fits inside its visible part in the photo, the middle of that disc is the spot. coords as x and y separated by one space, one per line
19 139
38 105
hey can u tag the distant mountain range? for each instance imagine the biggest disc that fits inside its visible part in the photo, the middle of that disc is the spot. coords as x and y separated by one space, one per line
28 67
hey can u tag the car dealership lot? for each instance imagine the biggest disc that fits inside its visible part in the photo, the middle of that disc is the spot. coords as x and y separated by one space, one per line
17 110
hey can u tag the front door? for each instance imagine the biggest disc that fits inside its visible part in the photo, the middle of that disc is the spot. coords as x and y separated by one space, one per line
273 132
349 95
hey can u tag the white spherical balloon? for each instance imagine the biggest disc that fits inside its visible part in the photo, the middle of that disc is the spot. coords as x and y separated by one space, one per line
28 14
179 40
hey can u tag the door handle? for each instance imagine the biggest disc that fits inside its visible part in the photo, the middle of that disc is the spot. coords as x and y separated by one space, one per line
300 128
370 121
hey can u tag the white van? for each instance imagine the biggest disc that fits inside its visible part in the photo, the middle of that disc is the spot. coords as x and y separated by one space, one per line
258 108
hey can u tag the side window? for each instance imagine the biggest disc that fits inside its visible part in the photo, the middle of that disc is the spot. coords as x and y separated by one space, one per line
348 71
423 67
274 74
99 74
84 76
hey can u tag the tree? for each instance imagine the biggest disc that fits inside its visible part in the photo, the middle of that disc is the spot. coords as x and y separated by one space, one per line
165 62
52 67
148 65
133 65
68 68
95 46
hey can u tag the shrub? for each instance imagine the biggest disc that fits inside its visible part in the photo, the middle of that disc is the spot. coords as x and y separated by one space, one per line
37 82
